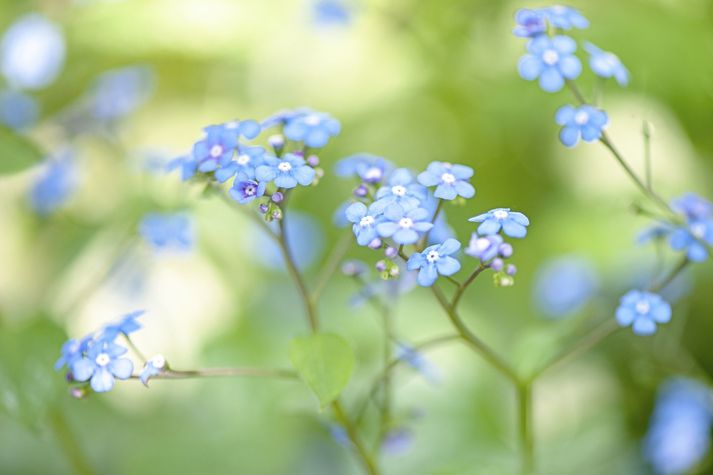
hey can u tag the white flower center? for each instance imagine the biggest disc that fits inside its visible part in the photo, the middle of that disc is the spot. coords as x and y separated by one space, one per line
216 151
250 190
406 223
284 167
611 59
550 57
581 117
243 159
158 361
432 256
366 221
698 230
233 124
500 214
481 244
312 119
398 190
448 178
642 307
558 9
102 359
373 173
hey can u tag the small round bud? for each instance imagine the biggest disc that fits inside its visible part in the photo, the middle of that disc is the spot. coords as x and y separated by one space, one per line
78 393
277 197
276 141
158 361
375 243
263 208
319 173
381 266
299 153
276 214
391 252
394 271
361 191
69 377
511 269
353 268
505 250
497 264
313 160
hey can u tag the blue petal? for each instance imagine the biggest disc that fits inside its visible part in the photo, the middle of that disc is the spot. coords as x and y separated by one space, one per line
284 180
644 326
387 229
415 261
445 192
529 67
317 138
570 67
624 316
447 265
564 45
249 128
464 189
590 133
121 368
428 179
304 175
519 218
265 173
427 275
489 226
569 135
405 236
355 212
513 229
565 114
83 369
448 247
102 381
551 80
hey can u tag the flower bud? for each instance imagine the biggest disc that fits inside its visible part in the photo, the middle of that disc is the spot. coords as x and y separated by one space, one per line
263 208
511 269
497 264
313 160
361 191
505 250
375 243
381 266
277 197
391 252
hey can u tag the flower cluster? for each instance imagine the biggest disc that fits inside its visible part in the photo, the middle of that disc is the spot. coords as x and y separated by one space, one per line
395 208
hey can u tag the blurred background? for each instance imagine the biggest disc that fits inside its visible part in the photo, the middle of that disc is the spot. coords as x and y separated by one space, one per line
108 92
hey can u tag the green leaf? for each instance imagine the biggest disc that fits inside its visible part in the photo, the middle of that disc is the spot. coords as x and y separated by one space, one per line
325 362
17 153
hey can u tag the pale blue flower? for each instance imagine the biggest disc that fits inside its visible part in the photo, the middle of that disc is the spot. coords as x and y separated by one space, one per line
248 158
152 368
485 247
215 150
564 17
245 190
606 65
167 231
552 60
331 12
72 351
365 221
450 180
56 183
530 23
512 223
125 326
642 310
314 129
404 227
418 361
370 168
286 172
119 92
693 239
694 207
584 121
564 285
397 441
402 190
18 110
101 365
434 261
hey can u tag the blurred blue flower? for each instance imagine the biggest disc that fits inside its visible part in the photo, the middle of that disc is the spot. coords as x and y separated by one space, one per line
305 240
404 227
215 150
693 207
513 223
584 121
643 310
693 239
402 190
247 128
365 221
449 180
679 431
417 361
339 434
167 231
484 248
101 365
564 285
552 60
331 12
56 183
370 168
72 351
606 65
283 117
530 23
312 128
125 326
565 18
287 171
32 52
434 261
18 110
119 92
397 441
152 368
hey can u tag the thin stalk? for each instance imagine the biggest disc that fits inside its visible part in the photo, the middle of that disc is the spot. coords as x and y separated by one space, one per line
663 283
134 348
462 287
385 415
646 131
229 372
364 455
332 264
424 240
525 426
68 442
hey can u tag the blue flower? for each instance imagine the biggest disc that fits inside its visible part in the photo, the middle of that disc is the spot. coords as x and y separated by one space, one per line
331 12
370 168
565 18
245 163
72 351
287 171
305 240
692 239
101 365
215 150
153 367
606 65
32 52
449 180
313 128
247 128
18 110
365 221
245 190
530 23
126 325
167 231
643 310
564 285
512 223
401 190
484 248
417 361
552 60
397 441
434 261
55 184
404 227
283 117
679 432
119 92
584 121
693 207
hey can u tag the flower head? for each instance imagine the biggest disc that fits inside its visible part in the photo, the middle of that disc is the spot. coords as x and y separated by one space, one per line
370 168
564 285
167 231
404 227
552 60
287 171
126 325
693 239
530 23
606 65
643 310
693 207
101 365
55 184
449 180
401 190
484 248
18 110
417 361
119 92
153 367
72 351
434 261
365 221
513 223
312 128
565 18
245 190
215 150
584 121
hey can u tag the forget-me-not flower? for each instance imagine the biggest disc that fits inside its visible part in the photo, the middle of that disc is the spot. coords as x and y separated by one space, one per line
402 190
584 121
125 326
434 261
693 239
564 285
245 190
72 351
18 110
530 23
287 171
694 207
248 158
404 227
552 60
312 128
513 223
55 184
365 221
642 310
215 150
370 168
119 92
153 367
564 17
167 230
450 180
606 65
101 365
484 247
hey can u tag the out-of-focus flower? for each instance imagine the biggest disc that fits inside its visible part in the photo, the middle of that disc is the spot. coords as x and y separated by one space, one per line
72 351
552 60
287 171
167 231
55 184
215 150
450 180
530 23
564 285
118 93
314 129
484 248
512 223
584 121
305 240
692 238
331 12
606 65
32 52
370 168
397 441
694 207
18 110
417 361
642 310
679 432
404 227
153 367
564 17
101 365
125 326
434 261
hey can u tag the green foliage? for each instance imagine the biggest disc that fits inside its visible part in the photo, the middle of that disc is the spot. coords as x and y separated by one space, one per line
17 153
325 362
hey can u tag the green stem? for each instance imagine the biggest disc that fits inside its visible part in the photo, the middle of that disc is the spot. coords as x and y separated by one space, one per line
424 240
663 283
366 458
646 131
462 287
226 373
69 443
527 439
385 418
